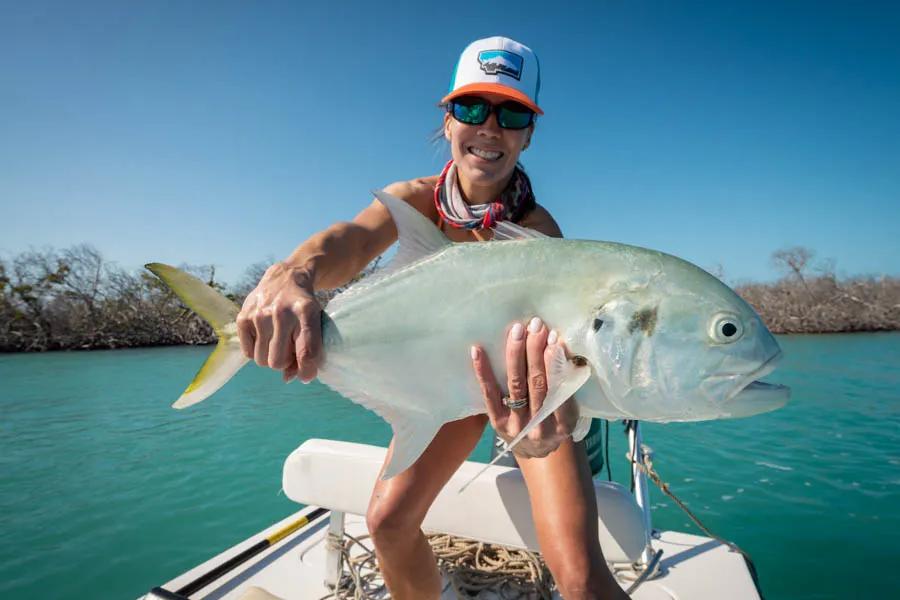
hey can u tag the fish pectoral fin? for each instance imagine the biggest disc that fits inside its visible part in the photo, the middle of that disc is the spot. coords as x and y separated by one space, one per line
582 426
565 379
504 230
411 438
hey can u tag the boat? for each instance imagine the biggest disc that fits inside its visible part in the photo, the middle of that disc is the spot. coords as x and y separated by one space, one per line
307 555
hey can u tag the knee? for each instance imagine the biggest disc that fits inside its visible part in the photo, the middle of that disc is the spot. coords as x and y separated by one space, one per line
391 522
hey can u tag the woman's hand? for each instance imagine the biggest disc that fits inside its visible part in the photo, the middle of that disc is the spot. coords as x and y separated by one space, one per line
528 353
280 323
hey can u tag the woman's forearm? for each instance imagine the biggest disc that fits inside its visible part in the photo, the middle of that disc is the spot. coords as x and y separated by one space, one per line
332 257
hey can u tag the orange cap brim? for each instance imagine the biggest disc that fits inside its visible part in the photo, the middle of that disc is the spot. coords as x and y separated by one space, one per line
493 88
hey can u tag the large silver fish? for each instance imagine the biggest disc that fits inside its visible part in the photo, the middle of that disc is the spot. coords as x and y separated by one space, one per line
660 339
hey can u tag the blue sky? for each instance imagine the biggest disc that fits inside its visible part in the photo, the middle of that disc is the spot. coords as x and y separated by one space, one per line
228 132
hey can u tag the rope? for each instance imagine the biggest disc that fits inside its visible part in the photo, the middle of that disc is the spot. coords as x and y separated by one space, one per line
606 451
474 566
471 567
646 466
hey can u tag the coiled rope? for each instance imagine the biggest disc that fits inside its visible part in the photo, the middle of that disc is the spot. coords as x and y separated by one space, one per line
472 566
469 565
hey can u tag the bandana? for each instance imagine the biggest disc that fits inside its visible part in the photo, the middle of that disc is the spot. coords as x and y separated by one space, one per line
513 204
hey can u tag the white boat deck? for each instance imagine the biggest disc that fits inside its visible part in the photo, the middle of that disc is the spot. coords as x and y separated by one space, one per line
340 476
692 567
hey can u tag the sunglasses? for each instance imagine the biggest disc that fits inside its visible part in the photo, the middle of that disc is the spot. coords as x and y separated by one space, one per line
472 110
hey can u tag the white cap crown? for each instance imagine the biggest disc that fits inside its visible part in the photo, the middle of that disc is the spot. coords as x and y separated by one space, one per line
498 65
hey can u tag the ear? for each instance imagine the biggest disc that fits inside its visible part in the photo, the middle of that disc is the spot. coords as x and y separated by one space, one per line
447 126
528 138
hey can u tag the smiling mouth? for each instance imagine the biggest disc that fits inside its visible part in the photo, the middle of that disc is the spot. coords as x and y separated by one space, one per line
490 155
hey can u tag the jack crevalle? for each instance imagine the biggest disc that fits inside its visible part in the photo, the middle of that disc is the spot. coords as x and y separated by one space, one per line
662 340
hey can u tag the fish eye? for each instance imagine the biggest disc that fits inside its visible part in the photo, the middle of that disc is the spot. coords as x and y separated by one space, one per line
726 328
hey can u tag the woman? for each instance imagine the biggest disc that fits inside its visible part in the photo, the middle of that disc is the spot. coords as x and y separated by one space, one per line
490 120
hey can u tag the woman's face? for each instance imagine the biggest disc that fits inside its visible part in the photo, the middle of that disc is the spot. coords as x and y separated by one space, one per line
499 148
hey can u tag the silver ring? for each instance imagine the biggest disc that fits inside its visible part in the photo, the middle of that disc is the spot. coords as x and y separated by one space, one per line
514 404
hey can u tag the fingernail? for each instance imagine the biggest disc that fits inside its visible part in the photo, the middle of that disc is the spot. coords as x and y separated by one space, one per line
551 339
517 332
535 325
473 351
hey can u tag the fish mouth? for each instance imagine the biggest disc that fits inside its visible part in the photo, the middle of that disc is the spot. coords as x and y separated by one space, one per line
753 397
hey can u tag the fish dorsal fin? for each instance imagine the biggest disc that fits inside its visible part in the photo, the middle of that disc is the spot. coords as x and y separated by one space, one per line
504 230
417 236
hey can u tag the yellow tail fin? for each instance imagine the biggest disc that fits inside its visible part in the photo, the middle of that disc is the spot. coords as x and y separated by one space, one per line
218 311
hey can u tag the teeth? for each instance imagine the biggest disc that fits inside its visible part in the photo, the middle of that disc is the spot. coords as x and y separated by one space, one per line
485 154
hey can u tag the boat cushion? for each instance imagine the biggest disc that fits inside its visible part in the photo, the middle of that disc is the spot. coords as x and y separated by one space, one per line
494 508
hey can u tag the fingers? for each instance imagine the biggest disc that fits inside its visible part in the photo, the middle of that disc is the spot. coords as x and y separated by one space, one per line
537 371
516 369
537 376
528 355
308 344
246 334
280 327
262 320
289 372
517 374
490 389
281 347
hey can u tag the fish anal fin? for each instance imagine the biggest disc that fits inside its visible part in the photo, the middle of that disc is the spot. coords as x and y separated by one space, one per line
411 438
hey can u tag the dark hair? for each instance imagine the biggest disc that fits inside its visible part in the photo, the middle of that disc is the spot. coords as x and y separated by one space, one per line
438 133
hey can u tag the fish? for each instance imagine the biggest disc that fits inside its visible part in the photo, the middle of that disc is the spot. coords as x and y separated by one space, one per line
647 336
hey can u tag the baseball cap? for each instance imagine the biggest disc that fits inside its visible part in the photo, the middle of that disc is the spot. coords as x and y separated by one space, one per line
497 65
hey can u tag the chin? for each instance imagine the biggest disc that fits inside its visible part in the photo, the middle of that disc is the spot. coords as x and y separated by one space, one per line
485 174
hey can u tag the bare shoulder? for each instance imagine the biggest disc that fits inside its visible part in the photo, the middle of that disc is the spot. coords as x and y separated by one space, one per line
418 192
541 220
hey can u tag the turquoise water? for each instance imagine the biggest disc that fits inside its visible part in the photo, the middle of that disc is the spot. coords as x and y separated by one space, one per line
104 489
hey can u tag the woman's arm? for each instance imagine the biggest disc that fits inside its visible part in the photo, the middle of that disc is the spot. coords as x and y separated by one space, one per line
279 323
541 220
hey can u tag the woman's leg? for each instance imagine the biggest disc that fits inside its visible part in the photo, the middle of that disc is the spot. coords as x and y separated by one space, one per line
398 506
564 510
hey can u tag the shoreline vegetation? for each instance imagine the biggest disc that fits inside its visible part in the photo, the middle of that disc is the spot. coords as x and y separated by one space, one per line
73 299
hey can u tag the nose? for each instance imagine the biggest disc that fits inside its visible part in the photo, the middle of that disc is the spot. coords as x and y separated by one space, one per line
490 128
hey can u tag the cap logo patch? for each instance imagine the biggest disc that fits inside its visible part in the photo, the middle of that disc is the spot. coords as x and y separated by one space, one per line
502 62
